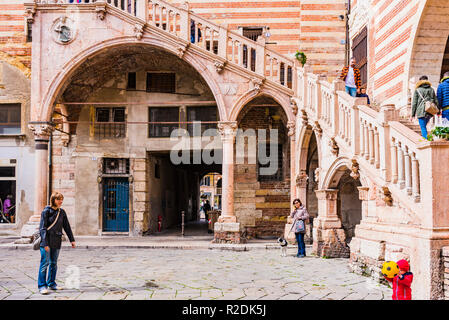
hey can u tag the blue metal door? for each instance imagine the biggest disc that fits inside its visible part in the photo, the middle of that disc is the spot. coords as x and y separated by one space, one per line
116 204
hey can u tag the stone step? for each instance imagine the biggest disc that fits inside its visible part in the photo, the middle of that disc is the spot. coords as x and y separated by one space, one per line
413 126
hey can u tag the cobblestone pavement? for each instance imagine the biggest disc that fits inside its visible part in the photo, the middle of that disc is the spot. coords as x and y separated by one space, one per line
202 274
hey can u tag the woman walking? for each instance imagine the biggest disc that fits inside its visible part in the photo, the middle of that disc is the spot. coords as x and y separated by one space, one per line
54 218
300 215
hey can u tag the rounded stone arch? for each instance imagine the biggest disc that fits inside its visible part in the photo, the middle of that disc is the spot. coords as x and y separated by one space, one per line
337 170
59 82
417 55
305 135
250 95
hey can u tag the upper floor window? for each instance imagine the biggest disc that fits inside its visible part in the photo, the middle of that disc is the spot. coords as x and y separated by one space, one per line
161 82
252 32
110 122
132 81
203 114
10 118
360 53
164 121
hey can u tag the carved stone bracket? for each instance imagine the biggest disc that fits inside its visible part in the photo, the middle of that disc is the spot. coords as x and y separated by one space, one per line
387 196
219 66
363 193
291 125
304 117
227 129
30 11
100 9
355 169
294 106
301 179
182 50
334 147
257 84
138 31
318 130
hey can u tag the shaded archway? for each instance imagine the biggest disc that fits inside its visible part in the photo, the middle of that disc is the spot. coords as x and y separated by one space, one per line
262 168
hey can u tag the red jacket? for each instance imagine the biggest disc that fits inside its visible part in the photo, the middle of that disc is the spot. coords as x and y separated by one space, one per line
401 286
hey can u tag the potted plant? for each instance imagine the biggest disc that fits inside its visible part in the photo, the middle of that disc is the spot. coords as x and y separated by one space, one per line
301 57
438 134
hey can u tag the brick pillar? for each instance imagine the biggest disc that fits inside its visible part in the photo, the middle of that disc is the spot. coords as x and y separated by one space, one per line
42 131
140 197
328 235
227 229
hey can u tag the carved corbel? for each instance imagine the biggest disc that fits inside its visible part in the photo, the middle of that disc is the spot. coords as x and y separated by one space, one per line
294 106
317 128
317 175
100 9
291 125
219 66
334 147
257 84
182 50
355 169
138 30
304 117
30 12
301 179
388 199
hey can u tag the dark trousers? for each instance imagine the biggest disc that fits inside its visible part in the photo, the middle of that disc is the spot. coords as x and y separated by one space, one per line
301 244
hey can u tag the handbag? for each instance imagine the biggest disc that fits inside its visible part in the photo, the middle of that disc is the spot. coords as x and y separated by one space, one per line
429 106
37 234
299 226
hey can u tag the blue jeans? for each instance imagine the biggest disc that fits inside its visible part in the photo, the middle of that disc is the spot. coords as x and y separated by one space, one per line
48 259
301 244
423 124
445 114
351 91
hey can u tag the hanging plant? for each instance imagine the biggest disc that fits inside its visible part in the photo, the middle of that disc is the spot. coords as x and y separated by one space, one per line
301 57
439 133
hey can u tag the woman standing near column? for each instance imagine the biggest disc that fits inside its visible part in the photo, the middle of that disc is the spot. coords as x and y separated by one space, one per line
300 215
53 220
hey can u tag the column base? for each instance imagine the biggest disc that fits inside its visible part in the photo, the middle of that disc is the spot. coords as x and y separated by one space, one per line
27 232
227 232
330 243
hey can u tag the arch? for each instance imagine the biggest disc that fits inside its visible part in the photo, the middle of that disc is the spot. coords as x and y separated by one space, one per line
336 170
59 82
303 144
252 94
416 56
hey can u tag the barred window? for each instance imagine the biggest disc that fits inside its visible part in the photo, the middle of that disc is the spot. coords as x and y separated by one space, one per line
161 82
110 122
162 114
203 114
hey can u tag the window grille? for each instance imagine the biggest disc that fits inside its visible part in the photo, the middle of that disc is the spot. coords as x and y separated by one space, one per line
115 166
161 82
203 114
162 114
110 123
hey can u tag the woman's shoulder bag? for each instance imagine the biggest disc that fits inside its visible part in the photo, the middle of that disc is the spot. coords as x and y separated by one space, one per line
37 234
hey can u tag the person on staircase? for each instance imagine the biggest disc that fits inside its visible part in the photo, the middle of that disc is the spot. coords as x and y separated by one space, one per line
423 92
443 96
351 76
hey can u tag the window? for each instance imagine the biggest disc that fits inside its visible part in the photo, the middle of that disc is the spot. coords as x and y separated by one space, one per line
8 192
29 31
277 164
252 32
359 52
10 118
203 114
115 166
162 114
110 122
161 82
132 81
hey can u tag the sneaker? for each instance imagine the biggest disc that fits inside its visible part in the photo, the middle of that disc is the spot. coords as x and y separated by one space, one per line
301 256
55 288
43 291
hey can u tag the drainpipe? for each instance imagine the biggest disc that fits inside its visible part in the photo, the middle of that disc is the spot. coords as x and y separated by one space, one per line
50 165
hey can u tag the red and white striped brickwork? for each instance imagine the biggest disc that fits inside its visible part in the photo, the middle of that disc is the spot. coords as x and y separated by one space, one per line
406 39
13 32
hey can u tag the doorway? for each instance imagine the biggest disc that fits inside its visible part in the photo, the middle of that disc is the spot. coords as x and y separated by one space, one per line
116 205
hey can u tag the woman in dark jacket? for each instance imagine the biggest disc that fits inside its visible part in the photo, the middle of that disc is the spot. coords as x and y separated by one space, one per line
51 241
424 92
300 213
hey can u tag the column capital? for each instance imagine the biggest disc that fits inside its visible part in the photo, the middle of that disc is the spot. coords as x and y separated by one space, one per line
42 130
363 193
301 179
227 129
326 194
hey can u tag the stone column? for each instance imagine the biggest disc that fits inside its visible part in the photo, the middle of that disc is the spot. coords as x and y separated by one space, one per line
371 145
364 197
394 162
376 149
227 229
401 171
140 200
366 143
415 178
408 172
291 133
328 235
42 132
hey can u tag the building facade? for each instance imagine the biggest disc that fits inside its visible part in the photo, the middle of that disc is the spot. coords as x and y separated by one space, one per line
112 82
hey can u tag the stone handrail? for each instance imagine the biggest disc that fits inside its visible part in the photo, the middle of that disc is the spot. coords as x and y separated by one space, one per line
216 39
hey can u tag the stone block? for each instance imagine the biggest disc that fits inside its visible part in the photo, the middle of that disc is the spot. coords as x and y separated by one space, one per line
373 249
140 186
445 251
227 227
140 165
139 206
277 205
140 196
139 176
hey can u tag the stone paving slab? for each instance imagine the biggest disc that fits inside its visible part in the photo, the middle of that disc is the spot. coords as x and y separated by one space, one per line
117 274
